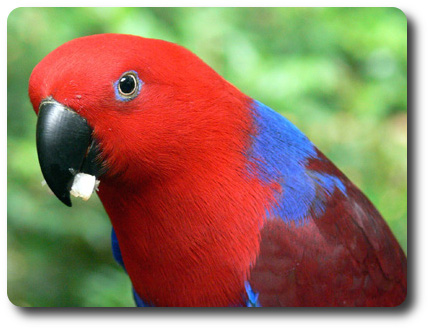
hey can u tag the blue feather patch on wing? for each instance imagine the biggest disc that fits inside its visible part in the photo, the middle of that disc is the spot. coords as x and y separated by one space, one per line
329 182
252 300
280 153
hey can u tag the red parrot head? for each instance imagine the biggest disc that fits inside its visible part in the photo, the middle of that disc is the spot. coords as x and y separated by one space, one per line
120 105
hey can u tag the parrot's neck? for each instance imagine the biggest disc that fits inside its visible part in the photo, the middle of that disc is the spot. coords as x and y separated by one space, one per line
188 242
191 238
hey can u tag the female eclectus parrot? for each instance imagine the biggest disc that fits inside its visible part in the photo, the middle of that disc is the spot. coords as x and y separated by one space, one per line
214 198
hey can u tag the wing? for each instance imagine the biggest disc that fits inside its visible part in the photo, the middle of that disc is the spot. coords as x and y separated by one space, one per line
342 254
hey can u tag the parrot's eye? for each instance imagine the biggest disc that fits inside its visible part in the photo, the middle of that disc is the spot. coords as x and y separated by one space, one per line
128 86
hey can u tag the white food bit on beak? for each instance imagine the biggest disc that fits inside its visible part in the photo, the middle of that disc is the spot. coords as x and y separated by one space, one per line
84 185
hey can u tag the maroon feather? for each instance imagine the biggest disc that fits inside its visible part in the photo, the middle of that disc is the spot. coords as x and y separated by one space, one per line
346 257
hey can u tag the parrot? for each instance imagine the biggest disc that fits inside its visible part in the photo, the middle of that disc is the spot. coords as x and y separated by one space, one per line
215 199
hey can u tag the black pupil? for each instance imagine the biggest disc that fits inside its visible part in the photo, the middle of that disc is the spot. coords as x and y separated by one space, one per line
127 84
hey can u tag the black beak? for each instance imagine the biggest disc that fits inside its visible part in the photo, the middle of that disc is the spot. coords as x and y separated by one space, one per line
65 147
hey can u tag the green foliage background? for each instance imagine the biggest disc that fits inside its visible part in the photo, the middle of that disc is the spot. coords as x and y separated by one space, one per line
339 74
